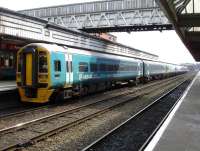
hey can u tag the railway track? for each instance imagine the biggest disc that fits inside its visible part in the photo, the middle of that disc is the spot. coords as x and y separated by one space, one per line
19 110
31 114
134 133
44 127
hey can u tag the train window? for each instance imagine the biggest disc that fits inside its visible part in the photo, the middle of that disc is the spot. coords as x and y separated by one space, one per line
57 65
7 60
133 68
122 67
83 67
71 69
110 67
93 67
11 61
102 67
67 66
1 61
43 64
116 67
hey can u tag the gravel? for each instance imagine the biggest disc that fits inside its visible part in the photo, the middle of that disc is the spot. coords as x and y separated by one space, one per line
78 137
132 135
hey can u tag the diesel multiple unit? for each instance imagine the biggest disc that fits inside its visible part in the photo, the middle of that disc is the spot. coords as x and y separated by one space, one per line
47 72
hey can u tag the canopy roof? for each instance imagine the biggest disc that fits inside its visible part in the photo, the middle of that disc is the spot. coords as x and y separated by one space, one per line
185 16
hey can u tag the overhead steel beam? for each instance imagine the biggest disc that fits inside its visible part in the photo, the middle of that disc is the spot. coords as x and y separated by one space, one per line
193 36
129 28
194 49
168 9
189 20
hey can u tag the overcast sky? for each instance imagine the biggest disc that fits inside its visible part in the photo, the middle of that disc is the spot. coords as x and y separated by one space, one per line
166 44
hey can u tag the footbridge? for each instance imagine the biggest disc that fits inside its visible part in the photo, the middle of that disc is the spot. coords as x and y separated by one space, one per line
106 16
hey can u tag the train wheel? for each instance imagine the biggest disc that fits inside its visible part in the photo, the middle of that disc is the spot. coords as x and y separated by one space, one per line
84 91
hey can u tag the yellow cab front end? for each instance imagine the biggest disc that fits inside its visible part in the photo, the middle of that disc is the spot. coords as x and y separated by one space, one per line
33 74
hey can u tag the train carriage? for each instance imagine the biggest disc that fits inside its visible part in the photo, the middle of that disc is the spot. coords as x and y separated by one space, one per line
154 70
170 69
48 72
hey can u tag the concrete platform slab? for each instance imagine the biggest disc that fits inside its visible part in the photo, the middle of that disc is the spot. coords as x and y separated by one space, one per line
7 85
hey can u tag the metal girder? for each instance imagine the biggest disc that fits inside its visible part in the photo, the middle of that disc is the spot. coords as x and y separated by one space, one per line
194 49
129 28
193 36
181 5
105 15
168 9
189 20
186 23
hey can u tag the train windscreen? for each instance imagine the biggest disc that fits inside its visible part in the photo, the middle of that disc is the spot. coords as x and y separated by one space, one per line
43 68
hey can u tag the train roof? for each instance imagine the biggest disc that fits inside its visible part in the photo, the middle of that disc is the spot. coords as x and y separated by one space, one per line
53 47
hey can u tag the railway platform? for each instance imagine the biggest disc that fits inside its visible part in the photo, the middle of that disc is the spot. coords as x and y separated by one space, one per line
180 131
7 85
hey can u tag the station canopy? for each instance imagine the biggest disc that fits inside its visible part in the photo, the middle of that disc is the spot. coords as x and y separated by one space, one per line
185 16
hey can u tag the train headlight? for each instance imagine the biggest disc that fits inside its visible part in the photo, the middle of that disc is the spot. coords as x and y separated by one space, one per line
43 78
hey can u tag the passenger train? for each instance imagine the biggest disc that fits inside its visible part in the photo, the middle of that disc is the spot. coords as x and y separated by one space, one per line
47 72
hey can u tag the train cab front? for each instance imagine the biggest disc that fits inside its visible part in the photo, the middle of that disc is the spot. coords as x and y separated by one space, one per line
33 78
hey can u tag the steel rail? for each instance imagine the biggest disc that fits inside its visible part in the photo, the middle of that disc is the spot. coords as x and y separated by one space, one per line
132 118
15 114
48 117
161 123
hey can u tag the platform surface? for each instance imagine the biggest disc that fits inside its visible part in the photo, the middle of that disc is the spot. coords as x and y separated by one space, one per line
7 85
181 130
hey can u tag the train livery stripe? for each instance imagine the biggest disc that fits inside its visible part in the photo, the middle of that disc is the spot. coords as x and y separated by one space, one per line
29 69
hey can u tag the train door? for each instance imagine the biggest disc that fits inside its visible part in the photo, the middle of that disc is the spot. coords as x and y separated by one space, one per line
69 71
29 72
29 67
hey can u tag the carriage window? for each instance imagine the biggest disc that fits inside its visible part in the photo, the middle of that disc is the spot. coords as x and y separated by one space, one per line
93 67
42 63
122 67
133 68
1 61
11 61
69 66
110 67
7 60
116 67
57 65
103 67
83 67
